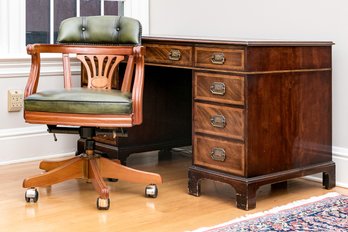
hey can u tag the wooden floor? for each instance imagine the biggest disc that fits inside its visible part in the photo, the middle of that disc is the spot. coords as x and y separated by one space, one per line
70 206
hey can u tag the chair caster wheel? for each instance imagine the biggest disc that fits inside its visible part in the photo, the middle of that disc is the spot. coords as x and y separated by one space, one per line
151 191
31 195
103 204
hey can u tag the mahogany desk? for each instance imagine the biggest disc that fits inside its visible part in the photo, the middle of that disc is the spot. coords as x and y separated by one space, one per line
256 112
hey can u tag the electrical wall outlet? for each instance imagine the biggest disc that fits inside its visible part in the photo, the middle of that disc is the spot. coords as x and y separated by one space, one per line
15 100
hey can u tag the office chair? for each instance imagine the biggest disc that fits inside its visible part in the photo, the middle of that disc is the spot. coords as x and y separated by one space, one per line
102 44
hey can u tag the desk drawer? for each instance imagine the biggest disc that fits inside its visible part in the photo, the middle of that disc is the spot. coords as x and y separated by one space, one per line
219 155
219 58
219 120
168 54
219 88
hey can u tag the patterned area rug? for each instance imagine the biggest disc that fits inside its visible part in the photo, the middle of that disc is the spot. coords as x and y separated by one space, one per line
324 213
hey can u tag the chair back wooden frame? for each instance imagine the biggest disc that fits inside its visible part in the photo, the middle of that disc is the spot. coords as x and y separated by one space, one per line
104 61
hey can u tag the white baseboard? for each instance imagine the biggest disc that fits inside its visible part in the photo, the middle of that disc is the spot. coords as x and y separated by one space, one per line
319 179
37 158
12 133
33 143
340 157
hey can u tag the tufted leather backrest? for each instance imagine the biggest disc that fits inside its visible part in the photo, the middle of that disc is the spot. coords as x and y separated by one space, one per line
100 30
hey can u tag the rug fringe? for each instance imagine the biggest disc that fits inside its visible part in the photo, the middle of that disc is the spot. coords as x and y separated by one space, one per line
271 211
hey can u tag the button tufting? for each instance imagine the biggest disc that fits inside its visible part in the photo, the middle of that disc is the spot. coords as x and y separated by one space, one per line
83 28
117 28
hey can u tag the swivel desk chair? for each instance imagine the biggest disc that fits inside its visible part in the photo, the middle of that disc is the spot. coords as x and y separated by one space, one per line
101 43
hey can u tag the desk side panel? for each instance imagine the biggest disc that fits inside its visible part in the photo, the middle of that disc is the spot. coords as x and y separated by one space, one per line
289 121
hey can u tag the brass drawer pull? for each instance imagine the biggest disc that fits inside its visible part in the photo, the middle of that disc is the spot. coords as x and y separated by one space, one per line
174 54
218 58
218 154
218 88
218 121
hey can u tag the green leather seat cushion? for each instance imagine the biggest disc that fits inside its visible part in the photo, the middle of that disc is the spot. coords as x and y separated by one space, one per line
80 101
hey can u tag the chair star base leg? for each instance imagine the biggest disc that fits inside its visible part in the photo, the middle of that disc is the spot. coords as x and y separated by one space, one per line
91 167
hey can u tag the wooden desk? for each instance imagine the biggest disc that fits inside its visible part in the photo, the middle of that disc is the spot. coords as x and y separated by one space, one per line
261 110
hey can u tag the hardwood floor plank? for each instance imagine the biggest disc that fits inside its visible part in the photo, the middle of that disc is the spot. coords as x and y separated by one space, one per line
71 206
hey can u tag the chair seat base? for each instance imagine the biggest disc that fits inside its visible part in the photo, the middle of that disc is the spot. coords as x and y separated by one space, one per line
91 167
86 120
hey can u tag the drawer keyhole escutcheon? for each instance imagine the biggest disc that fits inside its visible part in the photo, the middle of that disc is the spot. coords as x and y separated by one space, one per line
218 121
174 54
218 58
218 88
218 154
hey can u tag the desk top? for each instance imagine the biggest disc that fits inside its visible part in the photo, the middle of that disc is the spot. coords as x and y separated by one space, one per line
233 41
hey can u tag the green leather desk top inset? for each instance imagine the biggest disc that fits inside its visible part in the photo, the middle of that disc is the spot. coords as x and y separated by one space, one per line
80 101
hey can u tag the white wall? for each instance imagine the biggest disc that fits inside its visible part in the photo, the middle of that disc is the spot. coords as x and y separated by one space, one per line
20 141
270 19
